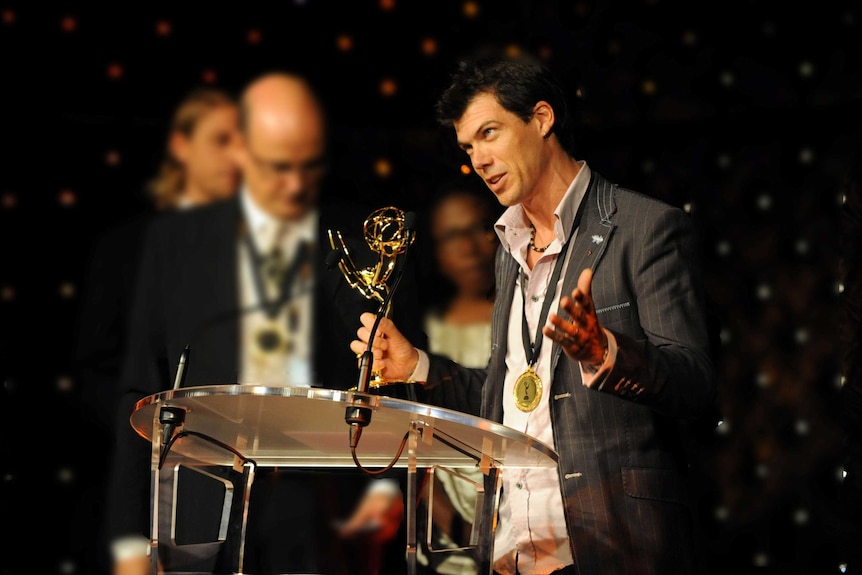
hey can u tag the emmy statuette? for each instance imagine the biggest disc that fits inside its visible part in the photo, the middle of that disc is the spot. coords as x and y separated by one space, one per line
386 234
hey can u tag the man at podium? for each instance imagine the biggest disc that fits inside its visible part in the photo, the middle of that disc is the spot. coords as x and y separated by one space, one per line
600 345
244 286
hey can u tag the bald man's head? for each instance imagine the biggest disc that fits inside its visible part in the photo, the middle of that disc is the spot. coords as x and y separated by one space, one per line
277 98
283 153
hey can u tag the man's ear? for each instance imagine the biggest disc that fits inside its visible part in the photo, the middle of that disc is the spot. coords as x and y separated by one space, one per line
543 114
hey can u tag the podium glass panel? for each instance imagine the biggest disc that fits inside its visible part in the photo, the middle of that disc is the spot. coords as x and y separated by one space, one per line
248 425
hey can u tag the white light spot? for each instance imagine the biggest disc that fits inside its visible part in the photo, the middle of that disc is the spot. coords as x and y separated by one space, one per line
65 475
764 292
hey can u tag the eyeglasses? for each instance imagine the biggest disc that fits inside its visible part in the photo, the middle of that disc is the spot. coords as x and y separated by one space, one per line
478 232
272 169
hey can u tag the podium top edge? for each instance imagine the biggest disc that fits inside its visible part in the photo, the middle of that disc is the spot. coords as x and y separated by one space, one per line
348 398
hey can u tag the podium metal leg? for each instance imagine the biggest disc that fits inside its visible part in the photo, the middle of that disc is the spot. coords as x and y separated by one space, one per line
155 484
248 477
235 555
412 443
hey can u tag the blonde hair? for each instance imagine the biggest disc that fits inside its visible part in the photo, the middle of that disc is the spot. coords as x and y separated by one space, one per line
165 189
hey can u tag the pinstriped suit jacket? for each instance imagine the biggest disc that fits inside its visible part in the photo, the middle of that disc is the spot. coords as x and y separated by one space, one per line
622 462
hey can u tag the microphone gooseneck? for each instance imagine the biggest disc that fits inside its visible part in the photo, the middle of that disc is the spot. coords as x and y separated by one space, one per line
357 416
170 416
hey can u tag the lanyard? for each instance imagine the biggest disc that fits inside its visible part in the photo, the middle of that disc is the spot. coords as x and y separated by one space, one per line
271 307
531 350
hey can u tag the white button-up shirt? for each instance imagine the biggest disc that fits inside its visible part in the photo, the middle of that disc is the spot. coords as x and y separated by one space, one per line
291 366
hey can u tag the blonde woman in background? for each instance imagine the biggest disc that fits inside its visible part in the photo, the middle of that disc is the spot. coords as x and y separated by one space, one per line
197 168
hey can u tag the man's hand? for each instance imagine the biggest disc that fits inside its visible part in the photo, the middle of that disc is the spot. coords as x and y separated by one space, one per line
378 516
394 356
581 336
133 566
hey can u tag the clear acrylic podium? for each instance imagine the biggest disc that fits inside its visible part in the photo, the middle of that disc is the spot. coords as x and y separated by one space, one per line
245 426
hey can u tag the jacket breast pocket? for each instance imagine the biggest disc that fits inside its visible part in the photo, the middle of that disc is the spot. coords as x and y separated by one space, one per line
617 315
657 484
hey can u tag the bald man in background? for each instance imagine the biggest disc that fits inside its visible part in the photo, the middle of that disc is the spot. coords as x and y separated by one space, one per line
204 284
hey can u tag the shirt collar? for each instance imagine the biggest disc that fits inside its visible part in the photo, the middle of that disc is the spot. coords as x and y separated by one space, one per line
262 225
514 234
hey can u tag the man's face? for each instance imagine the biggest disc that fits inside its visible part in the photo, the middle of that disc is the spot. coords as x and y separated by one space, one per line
284 167
506 152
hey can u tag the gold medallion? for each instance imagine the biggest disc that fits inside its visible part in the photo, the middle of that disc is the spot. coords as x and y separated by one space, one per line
528 390
272 339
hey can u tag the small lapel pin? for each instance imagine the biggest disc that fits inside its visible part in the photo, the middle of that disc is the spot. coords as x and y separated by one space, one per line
597 239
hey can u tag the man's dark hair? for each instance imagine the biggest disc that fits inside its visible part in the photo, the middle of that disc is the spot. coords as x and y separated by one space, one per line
517 82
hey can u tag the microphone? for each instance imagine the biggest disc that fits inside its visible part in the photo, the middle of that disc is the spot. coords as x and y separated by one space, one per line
169 416
333 258
180 380
359 417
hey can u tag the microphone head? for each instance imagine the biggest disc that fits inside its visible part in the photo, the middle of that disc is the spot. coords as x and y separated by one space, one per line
333 258
410 221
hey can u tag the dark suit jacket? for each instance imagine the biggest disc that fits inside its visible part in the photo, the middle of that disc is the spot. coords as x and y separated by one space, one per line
99 347
622 462
187 293
103 316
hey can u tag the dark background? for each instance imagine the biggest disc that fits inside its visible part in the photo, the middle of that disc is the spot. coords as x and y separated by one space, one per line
742 112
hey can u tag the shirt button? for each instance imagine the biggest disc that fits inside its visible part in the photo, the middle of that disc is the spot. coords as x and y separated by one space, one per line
519 485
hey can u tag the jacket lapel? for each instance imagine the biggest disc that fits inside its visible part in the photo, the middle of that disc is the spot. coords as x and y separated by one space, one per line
594 234
506 272
226 289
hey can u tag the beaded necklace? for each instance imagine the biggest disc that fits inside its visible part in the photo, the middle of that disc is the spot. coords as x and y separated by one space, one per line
533 241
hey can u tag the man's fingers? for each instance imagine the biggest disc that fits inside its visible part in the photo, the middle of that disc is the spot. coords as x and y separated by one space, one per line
367 319
585 281
558 324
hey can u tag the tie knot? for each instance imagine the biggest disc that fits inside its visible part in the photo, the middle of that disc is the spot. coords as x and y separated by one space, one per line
271 236
272 256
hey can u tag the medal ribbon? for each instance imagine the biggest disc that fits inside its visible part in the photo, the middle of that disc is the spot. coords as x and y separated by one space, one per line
288 278
532 349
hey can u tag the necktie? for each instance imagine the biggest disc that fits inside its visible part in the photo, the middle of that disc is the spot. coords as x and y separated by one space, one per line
273 263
